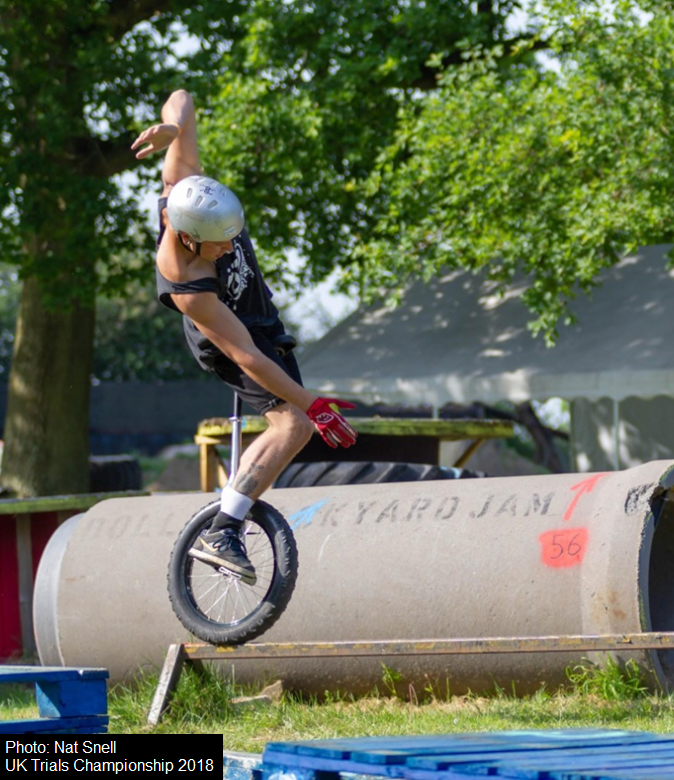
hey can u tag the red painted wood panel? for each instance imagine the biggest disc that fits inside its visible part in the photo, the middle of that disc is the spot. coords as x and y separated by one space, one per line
10 620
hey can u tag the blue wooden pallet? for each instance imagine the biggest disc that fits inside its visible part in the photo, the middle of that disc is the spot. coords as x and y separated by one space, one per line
70 701
564 754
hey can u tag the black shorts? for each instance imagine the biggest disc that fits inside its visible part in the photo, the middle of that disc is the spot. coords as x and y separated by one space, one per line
254 395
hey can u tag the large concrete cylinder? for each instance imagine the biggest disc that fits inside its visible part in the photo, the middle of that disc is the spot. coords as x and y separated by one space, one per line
521 556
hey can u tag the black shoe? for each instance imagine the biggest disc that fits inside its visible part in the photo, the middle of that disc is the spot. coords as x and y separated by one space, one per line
225 548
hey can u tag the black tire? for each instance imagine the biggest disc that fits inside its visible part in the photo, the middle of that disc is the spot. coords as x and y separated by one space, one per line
203 598
112 473
364 473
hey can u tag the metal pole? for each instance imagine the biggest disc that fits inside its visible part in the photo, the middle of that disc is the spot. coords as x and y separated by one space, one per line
235 456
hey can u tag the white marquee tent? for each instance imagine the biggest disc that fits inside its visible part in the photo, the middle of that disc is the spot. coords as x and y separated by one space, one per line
457 339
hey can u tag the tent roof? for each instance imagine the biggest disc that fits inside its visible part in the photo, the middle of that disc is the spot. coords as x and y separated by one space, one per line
455 339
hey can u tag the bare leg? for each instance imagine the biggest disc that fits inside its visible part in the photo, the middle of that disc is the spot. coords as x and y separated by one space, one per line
222 546
289 430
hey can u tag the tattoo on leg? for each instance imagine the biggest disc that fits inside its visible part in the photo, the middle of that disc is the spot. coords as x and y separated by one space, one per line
248 481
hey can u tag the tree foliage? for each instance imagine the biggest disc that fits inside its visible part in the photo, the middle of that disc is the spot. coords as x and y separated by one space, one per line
310 98
511 165
552 174
76 80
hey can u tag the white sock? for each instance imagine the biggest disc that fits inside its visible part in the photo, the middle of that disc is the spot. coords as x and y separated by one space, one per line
235 504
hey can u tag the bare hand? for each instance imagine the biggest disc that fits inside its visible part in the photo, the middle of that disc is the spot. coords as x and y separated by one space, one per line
157 138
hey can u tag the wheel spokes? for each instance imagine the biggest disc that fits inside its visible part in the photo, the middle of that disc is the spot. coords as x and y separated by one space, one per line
224 598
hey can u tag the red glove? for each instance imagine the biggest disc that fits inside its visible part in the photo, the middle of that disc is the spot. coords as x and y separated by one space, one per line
334 429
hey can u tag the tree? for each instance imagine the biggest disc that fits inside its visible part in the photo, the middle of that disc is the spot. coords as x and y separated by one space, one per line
76 79
550 174
429 137
311 97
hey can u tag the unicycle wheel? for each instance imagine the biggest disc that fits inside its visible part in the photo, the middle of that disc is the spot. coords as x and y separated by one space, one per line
219 607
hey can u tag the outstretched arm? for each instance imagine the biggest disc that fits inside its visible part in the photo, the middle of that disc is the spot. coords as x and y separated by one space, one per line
177 132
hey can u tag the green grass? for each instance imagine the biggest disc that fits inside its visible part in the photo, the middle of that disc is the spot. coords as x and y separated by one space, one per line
17 702
606 697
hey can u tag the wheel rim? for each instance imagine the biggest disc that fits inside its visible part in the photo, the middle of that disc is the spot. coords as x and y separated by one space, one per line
224 600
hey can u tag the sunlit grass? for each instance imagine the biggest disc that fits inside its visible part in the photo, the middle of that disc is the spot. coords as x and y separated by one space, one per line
203 704
606 697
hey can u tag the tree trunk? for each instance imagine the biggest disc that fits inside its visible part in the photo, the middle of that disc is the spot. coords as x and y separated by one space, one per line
46 434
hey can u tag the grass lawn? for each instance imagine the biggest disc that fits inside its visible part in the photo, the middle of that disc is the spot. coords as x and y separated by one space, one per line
203 704
605 697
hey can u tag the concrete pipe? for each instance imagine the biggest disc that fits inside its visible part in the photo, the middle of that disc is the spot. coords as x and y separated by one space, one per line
522 556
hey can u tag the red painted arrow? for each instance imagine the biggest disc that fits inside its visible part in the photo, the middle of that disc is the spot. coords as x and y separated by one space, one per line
586 486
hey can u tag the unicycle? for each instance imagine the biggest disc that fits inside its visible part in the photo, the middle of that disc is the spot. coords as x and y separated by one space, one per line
216 605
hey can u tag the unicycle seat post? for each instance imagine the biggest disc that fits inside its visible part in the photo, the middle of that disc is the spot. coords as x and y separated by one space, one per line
236 443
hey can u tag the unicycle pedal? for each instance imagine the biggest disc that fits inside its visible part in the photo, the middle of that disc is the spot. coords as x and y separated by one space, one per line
229 573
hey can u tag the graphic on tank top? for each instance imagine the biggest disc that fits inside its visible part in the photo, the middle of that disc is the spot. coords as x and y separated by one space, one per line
238 274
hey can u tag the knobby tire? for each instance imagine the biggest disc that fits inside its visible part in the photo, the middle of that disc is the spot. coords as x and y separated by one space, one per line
220 609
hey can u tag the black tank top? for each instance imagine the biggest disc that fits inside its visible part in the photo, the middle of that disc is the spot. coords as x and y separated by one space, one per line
238 284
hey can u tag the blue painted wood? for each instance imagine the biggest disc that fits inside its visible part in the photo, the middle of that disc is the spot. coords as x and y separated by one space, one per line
94 724
18 674
574 765
432 759
69 700
547 759
240 766
428 766
574 754
633 774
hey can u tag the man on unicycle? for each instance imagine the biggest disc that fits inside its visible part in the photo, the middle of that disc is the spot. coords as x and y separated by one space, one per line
207 271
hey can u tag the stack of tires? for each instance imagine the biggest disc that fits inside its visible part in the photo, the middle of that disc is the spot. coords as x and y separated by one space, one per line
114 473
365 473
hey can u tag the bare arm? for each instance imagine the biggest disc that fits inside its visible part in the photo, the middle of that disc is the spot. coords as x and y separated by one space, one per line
226 331
177 133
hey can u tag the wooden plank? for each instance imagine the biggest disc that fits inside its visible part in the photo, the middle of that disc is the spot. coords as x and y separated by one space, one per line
662 773
10 614
436 752
447 430
71 698
24 558
217 430
15 506
426 761
208 463
18 673
168 680
544 760
572 767
542 755
459 646
95 724
527 754
468 453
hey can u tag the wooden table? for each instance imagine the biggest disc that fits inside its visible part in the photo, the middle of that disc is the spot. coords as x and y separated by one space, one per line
217 431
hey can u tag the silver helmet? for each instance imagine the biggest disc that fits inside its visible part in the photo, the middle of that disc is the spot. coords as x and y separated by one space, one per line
205 209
